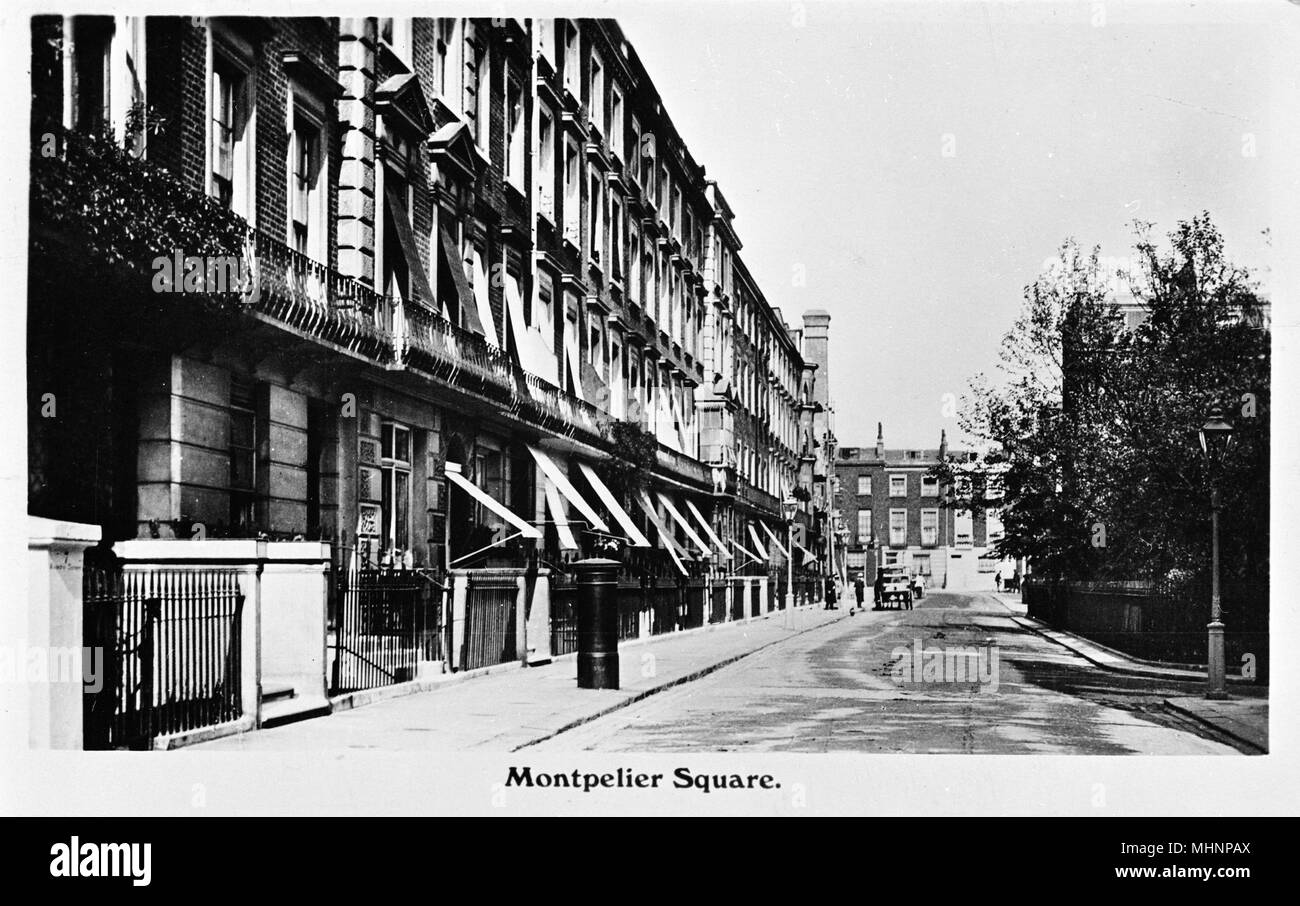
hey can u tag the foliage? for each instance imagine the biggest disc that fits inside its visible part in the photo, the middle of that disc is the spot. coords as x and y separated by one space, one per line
96 207
1093 427
634 453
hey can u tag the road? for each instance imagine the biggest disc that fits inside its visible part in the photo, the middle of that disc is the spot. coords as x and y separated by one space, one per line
848 687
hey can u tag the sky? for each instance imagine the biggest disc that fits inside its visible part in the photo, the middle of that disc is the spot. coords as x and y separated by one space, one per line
920 162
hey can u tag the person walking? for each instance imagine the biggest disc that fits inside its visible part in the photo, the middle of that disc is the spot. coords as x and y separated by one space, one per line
830 592
997 580
860 591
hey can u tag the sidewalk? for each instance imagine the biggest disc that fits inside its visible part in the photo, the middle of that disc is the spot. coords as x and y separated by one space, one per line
507 711
1243 717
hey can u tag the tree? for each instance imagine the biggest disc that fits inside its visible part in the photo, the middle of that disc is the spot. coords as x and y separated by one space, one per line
1092 426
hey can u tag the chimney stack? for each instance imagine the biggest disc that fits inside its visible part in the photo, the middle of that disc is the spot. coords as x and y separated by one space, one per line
880 440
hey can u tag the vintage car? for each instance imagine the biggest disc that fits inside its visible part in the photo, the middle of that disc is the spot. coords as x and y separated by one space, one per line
893 588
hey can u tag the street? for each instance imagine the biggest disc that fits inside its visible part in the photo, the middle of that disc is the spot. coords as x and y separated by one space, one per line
835 689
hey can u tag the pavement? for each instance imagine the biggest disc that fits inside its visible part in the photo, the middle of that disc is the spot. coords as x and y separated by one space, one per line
1242 717
510 710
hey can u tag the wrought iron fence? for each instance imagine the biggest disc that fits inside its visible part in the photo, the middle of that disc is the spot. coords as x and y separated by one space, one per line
171 651
564 616
631 601
386 622
490 633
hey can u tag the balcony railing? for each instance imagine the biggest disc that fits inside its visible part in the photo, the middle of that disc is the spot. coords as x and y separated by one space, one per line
307 295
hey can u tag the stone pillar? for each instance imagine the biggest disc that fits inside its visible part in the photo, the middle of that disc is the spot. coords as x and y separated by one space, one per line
538 632
55 551
459 595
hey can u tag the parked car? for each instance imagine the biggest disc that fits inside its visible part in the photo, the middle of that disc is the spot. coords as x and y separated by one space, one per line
893 588
918 586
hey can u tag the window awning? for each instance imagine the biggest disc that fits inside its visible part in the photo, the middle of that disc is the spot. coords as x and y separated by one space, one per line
758 542
686 526
419 280
665 537
708 529
561 519
620 515
807 554
526 529
775 540
746 551
455 266
561 481
481 300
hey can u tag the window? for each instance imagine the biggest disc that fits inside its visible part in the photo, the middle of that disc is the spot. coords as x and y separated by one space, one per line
545 176
616 121
596 96
921 565
396 33
864 485
661 190
92 38
572 78
596 209
514 163
243 454
636 277
962 531
596 344
478 87
993 530
898 528
395 506
634 159
444 48
572 189
229 117
864 526
674 207
306 234
543 315
929 486
897 485
930 527
544 40
394 266
615 237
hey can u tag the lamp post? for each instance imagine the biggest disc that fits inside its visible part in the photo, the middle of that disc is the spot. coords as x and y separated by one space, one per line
1216 437
789 508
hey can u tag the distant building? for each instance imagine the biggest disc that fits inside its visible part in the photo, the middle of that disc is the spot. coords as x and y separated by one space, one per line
895 514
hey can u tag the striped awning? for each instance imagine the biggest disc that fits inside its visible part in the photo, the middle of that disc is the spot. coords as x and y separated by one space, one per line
611 503
744 550
686 526
527 529
708 529
758 542
561 519
775 540
665 536
561 481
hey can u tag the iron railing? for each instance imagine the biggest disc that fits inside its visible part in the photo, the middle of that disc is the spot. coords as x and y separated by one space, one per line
169 642
386 622
490 603
564 616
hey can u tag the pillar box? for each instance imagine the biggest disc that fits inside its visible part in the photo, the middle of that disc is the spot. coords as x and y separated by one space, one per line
597 623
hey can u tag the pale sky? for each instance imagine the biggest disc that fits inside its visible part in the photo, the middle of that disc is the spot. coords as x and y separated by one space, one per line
828 138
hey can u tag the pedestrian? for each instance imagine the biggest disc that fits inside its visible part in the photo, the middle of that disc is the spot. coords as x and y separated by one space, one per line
997 580
830 592
1015 578
859 590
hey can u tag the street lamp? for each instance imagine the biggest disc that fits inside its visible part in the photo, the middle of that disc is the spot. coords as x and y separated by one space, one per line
1216 438
789 508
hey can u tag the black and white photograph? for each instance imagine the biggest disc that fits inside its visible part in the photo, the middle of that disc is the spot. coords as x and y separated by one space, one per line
755 408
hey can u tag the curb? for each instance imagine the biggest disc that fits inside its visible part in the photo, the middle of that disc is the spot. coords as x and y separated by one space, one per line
1153 669
654 690
1218 728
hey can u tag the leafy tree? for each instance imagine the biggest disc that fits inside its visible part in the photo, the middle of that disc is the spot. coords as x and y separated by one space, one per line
1091 427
